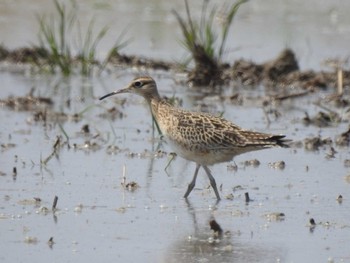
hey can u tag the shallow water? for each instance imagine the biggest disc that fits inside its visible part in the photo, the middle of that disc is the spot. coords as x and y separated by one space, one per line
98 219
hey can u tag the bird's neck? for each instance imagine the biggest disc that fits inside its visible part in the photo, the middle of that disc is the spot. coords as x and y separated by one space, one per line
154 104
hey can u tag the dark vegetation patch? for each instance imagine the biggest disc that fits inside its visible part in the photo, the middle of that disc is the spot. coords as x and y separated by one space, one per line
278 73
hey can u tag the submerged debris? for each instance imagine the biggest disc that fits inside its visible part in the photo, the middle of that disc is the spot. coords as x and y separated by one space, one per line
312 225
85 129
343 139
78 208
230 196
43 210
340 199
54 204
131 186
215 227
275 216
35 201
87 146
313 144
45 116
112 149
253 162
347 178
148 154
247 198
322 119
50 242
232 167
237 188
331 153
6 146
14 171
339 101
278 165
56 147
347 163
27 103
31 240
312 222
112 114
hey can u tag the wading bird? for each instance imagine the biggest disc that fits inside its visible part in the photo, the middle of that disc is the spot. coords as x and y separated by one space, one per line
199 137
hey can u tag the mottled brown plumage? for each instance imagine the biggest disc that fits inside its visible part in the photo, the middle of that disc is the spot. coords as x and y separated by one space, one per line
196 136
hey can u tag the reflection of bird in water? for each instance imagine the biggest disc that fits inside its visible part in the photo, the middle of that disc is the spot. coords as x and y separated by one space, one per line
201 244
199 137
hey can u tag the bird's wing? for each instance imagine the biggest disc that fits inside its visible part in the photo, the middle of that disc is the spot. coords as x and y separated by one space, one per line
210 132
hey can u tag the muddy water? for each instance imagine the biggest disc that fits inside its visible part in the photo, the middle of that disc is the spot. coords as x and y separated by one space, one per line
96 218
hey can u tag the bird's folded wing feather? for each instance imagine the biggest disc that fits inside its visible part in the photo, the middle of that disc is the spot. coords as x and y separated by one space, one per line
210 132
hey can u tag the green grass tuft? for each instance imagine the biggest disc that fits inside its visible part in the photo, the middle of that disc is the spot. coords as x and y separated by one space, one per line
201 38
59 31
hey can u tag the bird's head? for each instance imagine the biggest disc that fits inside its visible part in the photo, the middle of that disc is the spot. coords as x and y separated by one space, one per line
143 86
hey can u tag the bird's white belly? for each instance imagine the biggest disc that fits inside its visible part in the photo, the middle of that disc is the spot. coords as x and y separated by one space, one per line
203 158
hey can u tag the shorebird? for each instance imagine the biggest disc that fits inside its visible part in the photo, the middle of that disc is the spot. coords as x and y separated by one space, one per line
196 136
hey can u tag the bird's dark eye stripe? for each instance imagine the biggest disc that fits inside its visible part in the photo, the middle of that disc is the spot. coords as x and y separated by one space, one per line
137 84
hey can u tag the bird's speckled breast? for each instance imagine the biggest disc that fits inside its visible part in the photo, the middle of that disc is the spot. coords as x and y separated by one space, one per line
168 122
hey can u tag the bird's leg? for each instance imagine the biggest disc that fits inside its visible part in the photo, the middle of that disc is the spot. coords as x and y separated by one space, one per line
193 182
212 181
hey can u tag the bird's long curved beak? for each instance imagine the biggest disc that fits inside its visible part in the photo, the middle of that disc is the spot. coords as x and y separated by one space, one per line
114 93
107 95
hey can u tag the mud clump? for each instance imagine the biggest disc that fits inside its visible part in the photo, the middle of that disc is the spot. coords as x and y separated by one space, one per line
112 114
118 59
343 139
27 103
247 72
281 72
207 71
46 116
314 143
36 55
284 72
322 119
3 52
215 227
283 65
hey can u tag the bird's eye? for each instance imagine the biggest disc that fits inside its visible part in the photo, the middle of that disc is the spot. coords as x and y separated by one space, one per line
138 84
